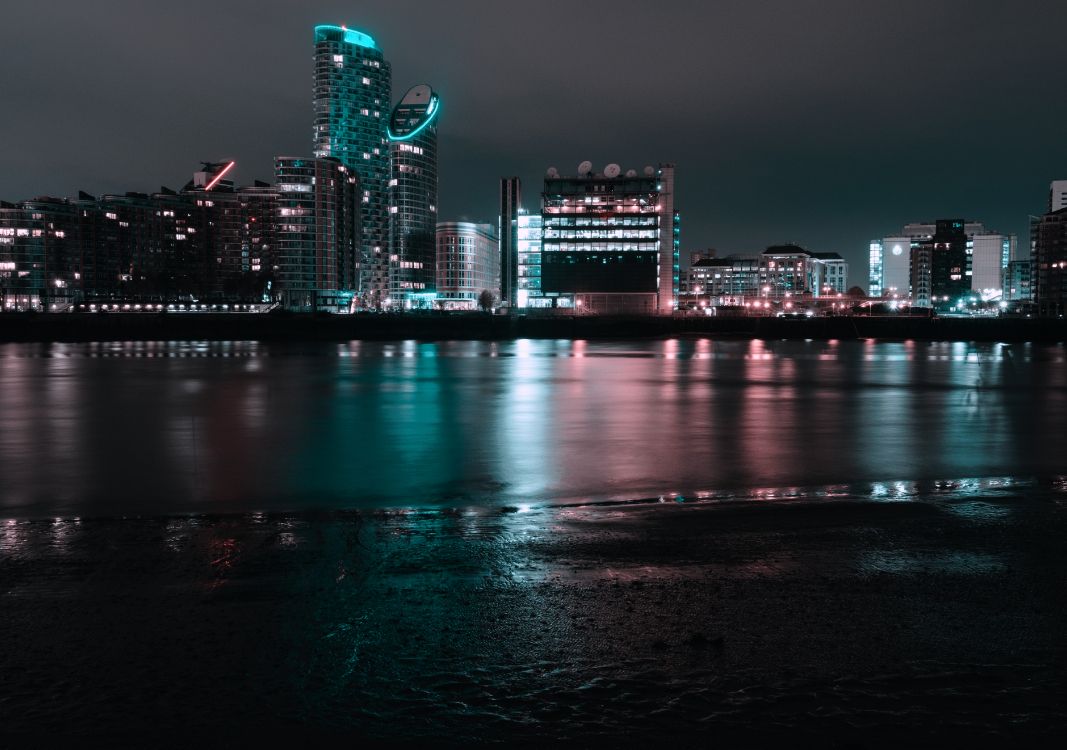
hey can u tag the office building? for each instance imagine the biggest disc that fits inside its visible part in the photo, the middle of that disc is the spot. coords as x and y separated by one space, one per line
510 207
890 267
412 134
830 274
353 91
714 282
990 255
786 269
528 264
876 268
794 271
610 241
468 264
317 235
987 255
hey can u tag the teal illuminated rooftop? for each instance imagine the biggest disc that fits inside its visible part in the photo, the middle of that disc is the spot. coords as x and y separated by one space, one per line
347 35
413 114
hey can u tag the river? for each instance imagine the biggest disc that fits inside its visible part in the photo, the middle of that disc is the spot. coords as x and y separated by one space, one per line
158 428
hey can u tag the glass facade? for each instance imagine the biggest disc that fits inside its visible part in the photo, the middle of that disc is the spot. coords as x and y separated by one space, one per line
412 136
611 242
353 90
874 288
528 257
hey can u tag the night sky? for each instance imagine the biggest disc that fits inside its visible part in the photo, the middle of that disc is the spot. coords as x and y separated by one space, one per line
823 123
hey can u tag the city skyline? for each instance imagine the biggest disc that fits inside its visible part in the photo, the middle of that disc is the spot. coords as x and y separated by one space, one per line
824 138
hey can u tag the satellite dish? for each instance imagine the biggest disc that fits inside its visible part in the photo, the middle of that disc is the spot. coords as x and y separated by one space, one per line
585 168
552 172
631 173
611 171
650 172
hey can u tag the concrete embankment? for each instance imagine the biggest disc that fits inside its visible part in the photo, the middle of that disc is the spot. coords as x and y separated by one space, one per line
438 326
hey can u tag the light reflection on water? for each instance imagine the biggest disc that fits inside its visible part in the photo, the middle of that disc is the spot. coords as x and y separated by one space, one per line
171 427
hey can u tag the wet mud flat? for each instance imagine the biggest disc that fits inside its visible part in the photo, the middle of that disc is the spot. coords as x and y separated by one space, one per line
828 623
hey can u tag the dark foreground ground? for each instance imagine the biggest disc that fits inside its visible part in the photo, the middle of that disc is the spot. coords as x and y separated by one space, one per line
822 623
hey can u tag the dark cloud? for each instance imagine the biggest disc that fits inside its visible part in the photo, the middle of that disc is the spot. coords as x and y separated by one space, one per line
825 123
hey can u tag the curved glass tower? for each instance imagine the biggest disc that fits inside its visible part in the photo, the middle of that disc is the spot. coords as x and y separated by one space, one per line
353 90
412 136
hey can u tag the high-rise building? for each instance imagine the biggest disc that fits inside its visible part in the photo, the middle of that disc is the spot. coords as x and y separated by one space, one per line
240 233
412 134
611 241
468 264
353 91
318 234
1049 239
1057 195
510 206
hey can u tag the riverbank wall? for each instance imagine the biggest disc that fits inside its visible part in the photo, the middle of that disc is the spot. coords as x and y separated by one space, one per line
76 327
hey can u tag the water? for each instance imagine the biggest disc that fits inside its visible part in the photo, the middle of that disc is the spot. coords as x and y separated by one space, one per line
156 428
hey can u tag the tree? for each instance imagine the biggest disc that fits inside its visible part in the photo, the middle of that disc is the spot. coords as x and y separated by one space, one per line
486 300
857 292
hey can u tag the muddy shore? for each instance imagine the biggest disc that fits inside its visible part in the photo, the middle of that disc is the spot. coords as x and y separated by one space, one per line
829 623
